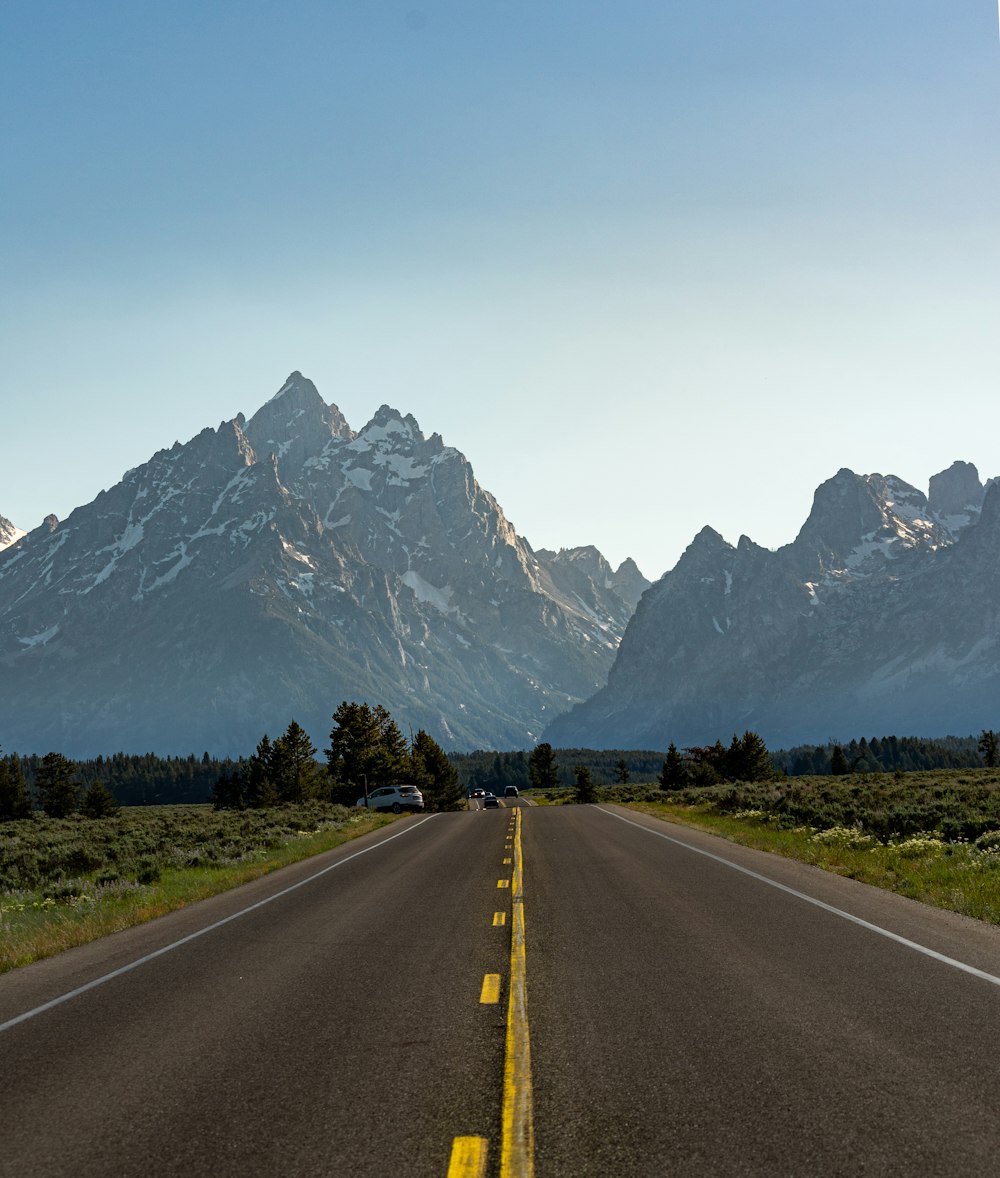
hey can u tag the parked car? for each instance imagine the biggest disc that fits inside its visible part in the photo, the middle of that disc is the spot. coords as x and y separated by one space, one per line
491 802
396 798
510 791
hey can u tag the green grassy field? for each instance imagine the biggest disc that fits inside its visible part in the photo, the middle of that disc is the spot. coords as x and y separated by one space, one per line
67 881
933 836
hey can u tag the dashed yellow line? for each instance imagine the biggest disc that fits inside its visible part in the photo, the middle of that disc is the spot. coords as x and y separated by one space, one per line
468 1157
490 992
499 918
503 883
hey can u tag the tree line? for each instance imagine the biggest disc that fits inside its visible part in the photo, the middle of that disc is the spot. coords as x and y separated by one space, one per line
890 754
367 750
368 744
56 788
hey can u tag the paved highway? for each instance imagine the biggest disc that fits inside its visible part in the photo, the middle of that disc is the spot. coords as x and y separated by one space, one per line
687 1007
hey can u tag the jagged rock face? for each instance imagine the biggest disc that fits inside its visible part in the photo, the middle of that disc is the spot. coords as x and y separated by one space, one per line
880 617
956 492
271 568
8 533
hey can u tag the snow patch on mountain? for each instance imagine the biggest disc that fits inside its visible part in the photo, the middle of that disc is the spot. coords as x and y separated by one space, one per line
429 594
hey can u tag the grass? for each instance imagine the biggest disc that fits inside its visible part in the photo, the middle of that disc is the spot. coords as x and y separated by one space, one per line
64 882
960 875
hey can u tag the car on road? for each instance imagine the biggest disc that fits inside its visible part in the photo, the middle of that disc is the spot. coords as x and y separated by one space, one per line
491 802
477 793
396 798
510 791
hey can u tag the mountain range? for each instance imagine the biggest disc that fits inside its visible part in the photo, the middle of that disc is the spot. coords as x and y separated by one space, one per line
881 617
269 569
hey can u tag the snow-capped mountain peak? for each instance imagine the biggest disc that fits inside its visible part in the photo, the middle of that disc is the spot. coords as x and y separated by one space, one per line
270 568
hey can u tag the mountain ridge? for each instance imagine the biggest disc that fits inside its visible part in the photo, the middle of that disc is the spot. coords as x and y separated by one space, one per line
879 616
273 566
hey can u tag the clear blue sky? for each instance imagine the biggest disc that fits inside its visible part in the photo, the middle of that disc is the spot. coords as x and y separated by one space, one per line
649 265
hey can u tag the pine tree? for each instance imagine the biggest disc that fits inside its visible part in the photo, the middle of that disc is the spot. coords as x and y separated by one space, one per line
259 776
293 765
585 792
838 762
58 789
435 775
622 774
100 802
229 792
366 749
543 771
755 760
15 801
673 773
989 746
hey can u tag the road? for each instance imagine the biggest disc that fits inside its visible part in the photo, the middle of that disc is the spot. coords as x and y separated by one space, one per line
692 1008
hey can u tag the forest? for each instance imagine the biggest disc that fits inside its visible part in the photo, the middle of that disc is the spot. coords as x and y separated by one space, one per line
366 742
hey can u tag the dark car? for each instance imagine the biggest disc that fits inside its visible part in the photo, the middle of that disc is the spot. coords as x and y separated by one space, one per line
510 791
491 802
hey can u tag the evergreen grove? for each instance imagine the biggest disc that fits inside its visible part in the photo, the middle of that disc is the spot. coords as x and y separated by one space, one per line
366 750
366 744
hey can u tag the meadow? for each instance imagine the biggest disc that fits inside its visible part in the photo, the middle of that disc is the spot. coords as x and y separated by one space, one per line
933 836
65 881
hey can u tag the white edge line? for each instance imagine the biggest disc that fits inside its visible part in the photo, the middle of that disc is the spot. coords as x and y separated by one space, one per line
116 973
882 932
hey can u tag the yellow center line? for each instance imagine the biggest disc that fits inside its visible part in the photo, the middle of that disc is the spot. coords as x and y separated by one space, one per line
517 1145
468 1157
490 992
503 883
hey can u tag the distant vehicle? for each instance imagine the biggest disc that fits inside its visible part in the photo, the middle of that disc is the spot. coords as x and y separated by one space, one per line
477 793
510 791
491 802
396 798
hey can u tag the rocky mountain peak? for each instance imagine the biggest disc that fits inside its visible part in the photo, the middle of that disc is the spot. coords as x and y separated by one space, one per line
629 583
296 424
879 617
956 491
390 429
285 564
844 510
9 534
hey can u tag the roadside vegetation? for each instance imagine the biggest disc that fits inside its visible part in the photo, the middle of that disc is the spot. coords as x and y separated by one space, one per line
66 881
933 836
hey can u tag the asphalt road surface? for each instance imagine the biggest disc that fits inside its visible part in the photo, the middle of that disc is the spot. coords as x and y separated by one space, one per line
694 1008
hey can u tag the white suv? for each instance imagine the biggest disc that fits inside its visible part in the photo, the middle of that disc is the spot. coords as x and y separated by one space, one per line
396 798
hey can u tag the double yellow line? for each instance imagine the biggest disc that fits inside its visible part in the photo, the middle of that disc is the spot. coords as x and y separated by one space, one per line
517 1144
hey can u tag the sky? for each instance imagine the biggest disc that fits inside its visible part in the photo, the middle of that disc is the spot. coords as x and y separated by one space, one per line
649 265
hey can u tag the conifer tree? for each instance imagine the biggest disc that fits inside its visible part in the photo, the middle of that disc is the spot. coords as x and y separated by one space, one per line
838 762
543 770
15 801
673 773
435 775
259 776
58 789
585 792
622 774
754 759
366 748
100 802
989 746
228 793
293 765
